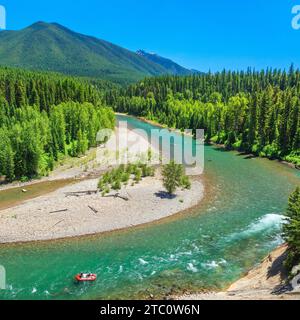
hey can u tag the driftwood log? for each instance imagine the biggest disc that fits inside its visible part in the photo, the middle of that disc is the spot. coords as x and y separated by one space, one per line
63 210
80 193
57 224
93 209
117 195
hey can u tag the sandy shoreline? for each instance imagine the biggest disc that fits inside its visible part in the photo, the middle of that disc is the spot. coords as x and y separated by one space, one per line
56 215
37 220
154 123
124 143
265 282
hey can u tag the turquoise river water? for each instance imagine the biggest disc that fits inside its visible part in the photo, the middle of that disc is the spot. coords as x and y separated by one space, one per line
237 224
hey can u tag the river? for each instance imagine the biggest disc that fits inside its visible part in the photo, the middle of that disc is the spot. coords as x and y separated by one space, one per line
238 223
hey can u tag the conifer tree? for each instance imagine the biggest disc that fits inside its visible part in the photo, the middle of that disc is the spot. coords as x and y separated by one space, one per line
291 230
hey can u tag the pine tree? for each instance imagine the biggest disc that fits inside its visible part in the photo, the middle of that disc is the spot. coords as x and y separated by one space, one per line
10 165
252 123
291 230
284 138
20 92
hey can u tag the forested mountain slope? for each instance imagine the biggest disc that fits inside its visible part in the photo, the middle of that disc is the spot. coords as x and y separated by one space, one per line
52 47
45 116
256 112
171 66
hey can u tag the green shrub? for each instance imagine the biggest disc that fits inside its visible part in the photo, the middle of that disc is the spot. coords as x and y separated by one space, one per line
255 149
147 171
101 185
215 139
117 185
222 137
291 230
138 175
237 145
129 169
271 151
293 158
174 177
24 179
186 183
105 191
230 140
125 177
121 176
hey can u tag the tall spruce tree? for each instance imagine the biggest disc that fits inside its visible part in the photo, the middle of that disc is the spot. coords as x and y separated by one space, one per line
291 230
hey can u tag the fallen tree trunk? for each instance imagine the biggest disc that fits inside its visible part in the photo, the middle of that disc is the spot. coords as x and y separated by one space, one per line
79 193
63 210
118 196
93 209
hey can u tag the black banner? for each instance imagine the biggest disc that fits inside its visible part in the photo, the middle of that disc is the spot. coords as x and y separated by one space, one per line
97 310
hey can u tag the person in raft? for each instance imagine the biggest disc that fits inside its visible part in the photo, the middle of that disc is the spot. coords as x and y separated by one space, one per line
85 275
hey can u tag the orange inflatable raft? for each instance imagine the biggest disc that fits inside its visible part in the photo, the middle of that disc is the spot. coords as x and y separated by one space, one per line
86 277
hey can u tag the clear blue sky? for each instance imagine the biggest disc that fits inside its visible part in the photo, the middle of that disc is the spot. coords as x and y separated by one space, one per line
213 34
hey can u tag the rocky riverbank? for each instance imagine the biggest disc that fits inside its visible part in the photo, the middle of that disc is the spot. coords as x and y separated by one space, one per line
268 281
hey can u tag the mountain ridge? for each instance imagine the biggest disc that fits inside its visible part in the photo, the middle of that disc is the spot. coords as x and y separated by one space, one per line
54 47
170 65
